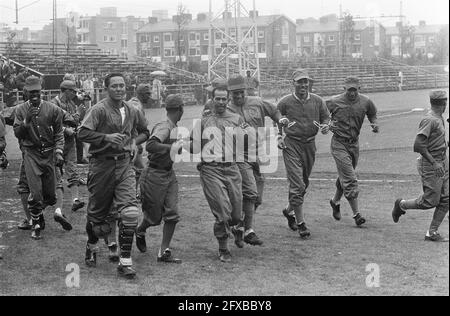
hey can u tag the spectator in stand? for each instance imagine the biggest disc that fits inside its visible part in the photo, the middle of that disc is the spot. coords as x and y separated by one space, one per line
20 79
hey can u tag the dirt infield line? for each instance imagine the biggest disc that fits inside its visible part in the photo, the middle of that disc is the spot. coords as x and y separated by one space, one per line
315 179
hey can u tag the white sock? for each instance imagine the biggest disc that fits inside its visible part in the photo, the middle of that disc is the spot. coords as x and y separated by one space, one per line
248 231
126 262
58 211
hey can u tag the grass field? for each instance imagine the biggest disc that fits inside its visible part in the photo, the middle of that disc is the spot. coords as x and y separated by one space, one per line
332 262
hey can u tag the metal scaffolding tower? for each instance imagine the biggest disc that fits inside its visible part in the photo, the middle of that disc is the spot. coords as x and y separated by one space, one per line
233 41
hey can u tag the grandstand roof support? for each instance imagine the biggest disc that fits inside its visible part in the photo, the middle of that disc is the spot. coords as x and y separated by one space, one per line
236 49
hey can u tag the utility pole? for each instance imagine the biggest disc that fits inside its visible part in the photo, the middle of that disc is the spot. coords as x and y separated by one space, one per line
55 35
17 12
400 31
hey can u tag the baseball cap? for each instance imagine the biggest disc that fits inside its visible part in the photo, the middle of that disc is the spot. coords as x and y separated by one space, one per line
438 95
216 83
68 84
351 82
174 102
33 83
143 88
300 74
236 83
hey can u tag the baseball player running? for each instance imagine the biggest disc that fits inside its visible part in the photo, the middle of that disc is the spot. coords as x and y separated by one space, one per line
112 128
348 111
432 145
219 175
302 109
38 127
253 110
159 185
143 95
66 103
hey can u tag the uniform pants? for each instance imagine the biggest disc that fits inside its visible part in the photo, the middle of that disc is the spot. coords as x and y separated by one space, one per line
159 192
40 175
70 164
346 156
138 164
22 185
110 183
222 186
435 189
299 160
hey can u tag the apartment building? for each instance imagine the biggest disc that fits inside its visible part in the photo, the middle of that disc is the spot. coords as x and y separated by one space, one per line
165 41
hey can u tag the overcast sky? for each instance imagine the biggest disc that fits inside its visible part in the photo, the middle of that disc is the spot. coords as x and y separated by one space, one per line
36 13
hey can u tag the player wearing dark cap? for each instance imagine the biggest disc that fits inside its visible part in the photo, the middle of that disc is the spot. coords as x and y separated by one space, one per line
348 111
303 110
159 185
112 128
38 126
432 145
253 110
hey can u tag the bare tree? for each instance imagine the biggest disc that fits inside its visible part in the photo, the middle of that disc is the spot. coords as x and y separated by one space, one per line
347 33
182 19
406 41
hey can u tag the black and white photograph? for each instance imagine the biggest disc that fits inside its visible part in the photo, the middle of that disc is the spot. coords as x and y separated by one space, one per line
224 153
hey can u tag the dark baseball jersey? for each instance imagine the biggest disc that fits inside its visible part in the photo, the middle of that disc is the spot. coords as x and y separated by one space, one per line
302 114
348 117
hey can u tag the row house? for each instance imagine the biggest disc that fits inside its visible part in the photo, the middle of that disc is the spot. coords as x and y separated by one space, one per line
165 41
324 38
420 41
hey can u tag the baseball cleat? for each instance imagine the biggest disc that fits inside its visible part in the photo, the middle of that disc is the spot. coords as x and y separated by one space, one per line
224 255
303 231
336 210
141 243
397 211
253 240
238 237
25 225
359 220
36 232
126 271
61 219
77 205
91 257
113 255
436 237
167 257
291 220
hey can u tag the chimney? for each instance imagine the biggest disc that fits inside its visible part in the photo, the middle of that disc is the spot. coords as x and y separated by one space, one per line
227 14
299 21
152 20
201 17
422 23
323 20
253 13
175 18
187 16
